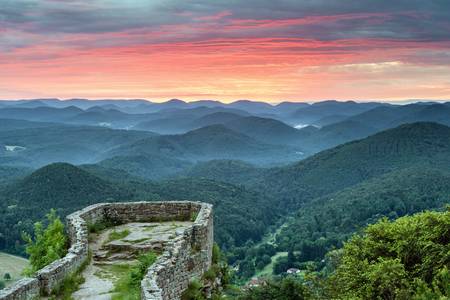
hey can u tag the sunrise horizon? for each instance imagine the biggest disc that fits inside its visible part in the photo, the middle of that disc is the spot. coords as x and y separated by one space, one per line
271 102
225 50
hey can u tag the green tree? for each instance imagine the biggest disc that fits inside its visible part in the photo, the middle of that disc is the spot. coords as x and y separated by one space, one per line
49 243
7 277
396 260
440 288
288 288
216 255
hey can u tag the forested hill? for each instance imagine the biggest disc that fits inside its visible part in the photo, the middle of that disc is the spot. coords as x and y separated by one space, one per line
240 214
327 221
390 164
206 143
354 162
336 192
61 186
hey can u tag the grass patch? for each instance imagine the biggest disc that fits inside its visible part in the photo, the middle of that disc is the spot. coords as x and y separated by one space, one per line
71 283
99 226
150 227
128 286
117 235
113 272
267 271
13 265
194 216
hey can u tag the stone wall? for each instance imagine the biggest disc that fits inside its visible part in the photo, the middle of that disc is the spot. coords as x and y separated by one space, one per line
184 258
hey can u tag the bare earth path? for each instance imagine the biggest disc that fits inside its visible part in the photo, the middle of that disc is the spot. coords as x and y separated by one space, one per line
115 249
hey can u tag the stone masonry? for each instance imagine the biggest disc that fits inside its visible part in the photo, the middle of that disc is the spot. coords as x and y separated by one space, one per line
186 257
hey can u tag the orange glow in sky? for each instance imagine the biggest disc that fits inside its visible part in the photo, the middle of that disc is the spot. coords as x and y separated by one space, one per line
222 54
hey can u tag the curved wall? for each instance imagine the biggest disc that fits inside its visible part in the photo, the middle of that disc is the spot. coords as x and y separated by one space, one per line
186 257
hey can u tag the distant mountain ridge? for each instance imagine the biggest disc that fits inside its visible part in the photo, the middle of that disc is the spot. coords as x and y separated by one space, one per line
330 193
359 160
75 144
210 142
337 122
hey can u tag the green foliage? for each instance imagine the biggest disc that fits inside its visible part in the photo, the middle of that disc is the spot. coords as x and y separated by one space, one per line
2 284
240 214
193 292
49 243
128 287
219 272
72 282
324 223
395 260
440 288
194 216
150 166
393 173
288 288
8 174
341 190
346 165
231 171
61 186
7 276
117 235
99 226
216 255
69 285
212 273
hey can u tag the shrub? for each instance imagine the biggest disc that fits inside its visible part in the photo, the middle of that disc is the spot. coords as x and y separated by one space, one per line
100 226
194 216
396 260
72 282
193 292
216 255
48 245
288 288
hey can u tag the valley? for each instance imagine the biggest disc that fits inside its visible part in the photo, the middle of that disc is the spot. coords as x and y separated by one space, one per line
284 198
225 150
12 265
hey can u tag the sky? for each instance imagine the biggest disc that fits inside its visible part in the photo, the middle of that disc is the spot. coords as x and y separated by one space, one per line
283 50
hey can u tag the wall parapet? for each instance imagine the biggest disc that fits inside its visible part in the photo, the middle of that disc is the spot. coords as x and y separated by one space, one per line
187 256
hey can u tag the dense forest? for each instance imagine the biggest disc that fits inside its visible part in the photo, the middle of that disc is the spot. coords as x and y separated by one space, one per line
309 138
240 213
402 259
269 216
336 192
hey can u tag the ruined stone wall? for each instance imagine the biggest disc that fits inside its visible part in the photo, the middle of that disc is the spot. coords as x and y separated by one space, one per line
186 257
26 288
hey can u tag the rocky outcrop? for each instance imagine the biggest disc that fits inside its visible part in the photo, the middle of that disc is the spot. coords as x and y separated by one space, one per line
186 257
